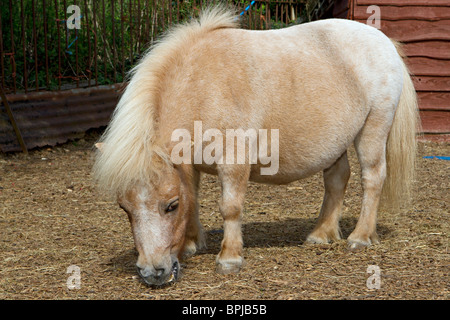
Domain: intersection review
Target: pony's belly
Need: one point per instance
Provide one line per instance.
(283, 176)
(279, 178)
(287, 173)
(209, 169)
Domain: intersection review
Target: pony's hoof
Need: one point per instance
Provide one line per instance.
(323, 237)
(359, 244)
(316, 240)
(228, 267)
(189, 249)
(193, 246)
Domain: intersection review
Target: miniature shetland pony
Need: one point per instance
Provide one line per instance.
(323, 86)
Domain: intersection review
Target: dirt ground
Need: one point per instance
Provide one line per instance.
(52, 218)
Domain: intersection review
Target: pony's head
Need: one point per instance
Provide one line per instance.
(158, 210)
(158, 224)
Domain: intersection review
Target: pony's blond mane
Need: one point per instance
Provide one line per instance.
(130, 151)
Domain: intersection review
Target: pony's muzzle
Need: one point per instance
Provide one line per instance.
(159, 276)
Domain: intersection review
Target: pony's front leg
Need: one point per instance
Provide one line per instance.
(234, 184)
(194, 238)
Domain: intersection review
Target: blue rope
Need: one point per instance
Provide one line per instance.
(70, 52)
(246, 9)
(437, 157)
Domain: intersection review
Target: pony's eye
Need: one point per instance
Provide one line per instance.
(172, 206)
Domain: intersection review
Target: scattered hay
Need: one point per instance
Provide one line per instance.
(51, 217)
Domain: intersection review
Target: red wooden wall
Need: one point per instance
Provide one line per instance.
(424, 28)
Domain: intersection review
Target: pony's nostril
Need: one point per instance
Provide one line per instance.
(158, 273)
(143, 272)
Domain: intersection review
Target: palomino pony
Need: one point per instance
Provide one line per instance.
(322, 85)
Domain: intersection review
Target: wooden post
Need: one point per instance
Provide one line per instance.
(13, 121)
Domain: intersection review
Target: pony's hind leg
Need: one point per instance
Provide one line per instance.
(234, 180)
(335, 180)
(370, 147)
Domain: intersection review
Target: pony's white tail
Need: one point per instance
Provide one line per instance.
(402, 144)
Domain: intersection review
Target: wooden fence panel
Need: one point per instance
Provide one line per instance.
(423, 26)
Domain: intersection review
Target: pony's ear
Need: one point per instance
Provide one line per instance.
(99, 146)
